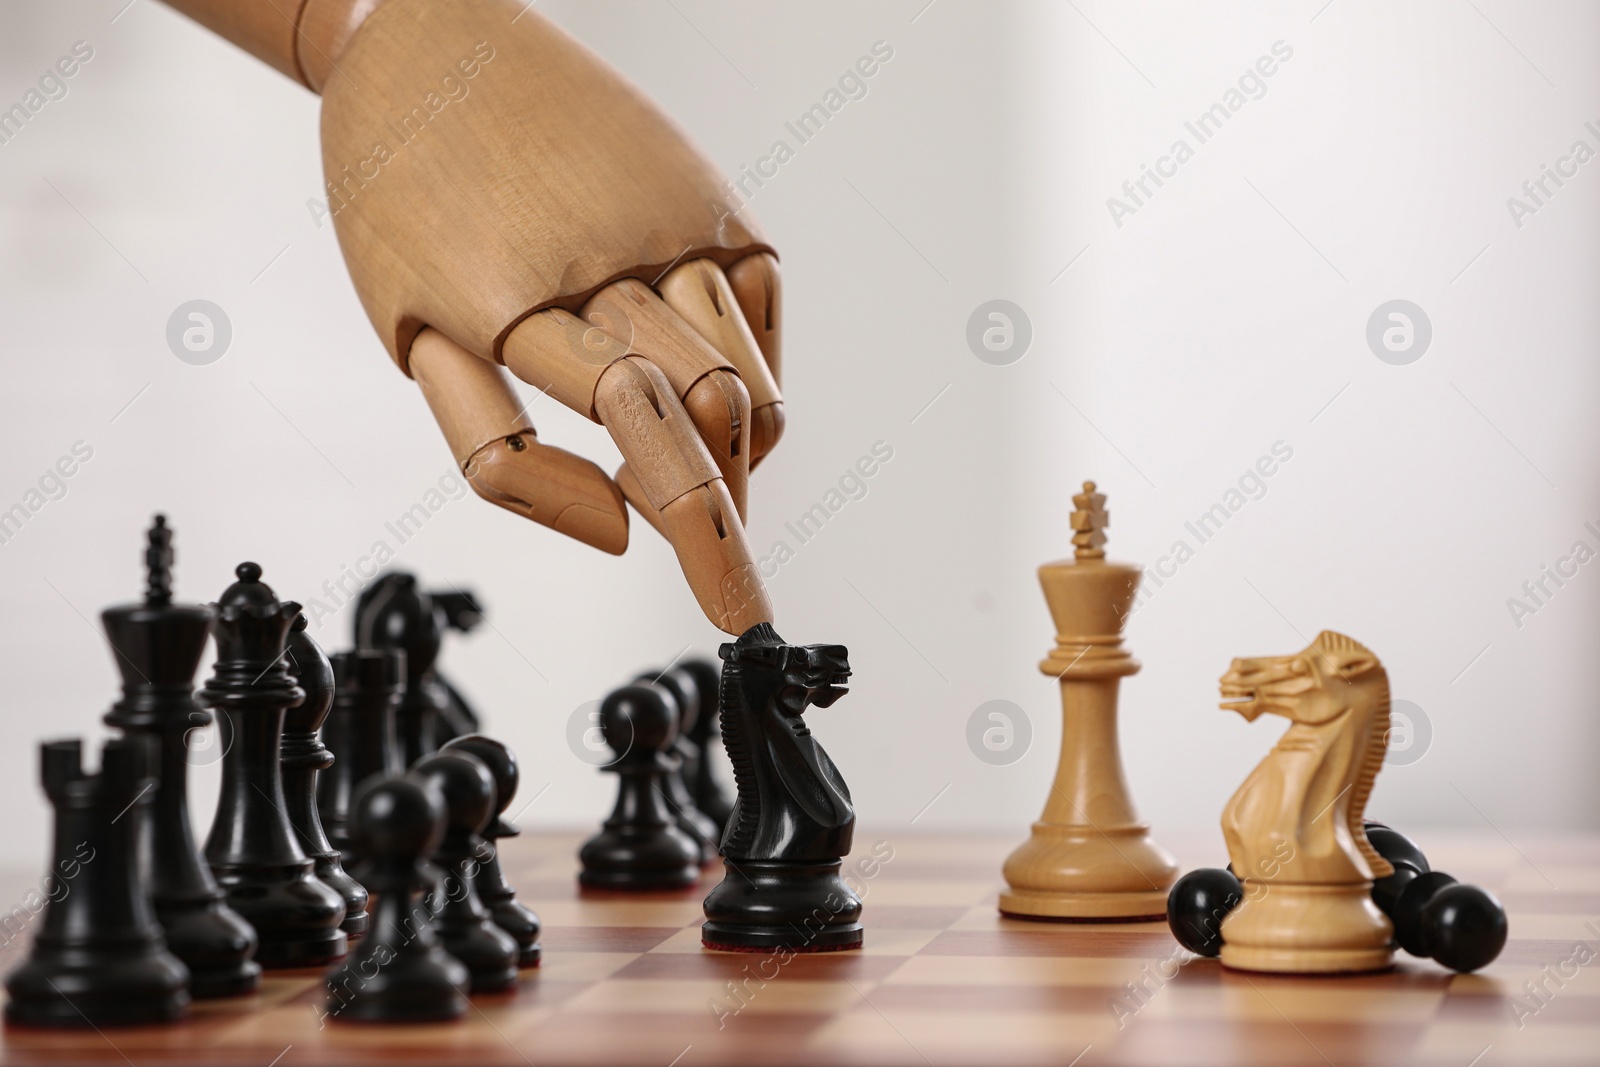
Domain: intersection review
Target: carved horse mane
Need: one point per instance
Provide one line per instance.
(1372, 759)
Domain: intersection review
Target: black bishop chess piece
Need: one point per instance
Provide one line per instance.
(640, 846)
(252, 847)
(304, 756)
(360, 732)
(793, 820)
(399, 972)
(464, 925)
(710, 796)
(493, 889)
(99, 958)
(394, 612)
(157, 645)
(684, 698)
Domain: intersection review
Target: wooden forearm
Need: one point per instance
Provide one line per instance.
(301, 38)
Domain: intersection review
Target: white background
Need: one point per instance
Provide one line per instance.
(1226, 314)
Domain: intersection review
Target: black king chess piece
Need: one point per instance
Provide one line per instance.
(304, 755)
(464, 925)
(493, 889)
(252, 848)
(640, 847)
(792, 820)
(398, 972)
(157, 646)
(99, 959)
(360, 732)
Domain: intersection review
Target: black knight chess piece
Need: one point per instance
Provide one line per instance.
(493, 889)
(158, 645)
(99, 959)
(793, 820)
(304, 756)
(680, 688)
(464, 925)
(360, 732)
(640, 847)
(252, 848)
(399, 972)
(710, 796)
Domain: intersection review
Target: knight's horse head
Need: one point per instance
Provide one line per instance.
(797, 676)
(1314, 685)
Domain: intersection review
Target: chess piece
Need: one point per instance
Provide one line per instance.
(465, 927)
(399, 972)
(793, 820)
(709, 794)
(252, 848)
(158, 645)
(1198, 903)
(1459, 926)
(1294, 828)
(360, 732)
(1089, 857)
(99, 959)
(304, 755)
(497, 895)
(461, 612)
(640, 846)
(682, 698)
(394, 613)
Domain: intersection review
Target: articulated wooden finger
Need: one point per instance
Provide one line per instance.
(715, 555)
(496, 447)
(701, 295)
(563, 355)
(757, 285)
(717, 402)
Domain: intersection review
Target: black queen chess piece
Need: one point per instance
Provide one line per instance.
(792, 820)
(360, 732)
(496, 893)
(157, 646)
(304, 757)
(99, 958)
(252, 848)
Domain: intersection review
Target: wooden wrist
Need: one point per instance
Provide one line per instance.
(300, 38)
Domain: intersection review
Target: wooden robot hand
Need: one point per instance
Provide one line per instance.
(506, 201)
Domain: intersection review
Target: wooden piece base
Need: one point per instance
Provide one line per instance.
(1081, 873)
(1307, 929)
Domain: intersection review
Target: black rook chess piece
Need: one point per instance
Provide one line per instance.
(497, 895)
(793, 820)
(640, 846)
(360, 732)
(709, 794)
(685, 701)
(252, 848)
(398, 972)
(158, 645)
(99, 959)
(304, 755)
(464, 925)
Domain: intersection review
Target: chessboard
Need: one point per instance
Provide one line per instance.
(942, 980)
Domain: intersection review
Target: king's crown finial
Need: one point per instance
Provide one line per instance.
(1089, 522)
(158, 563)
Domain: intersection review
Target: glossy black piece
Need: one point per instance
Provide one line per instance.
(394, 612)
(360, 732)
(493, 889)
(304, 756)
(98, 959)
(710, 796)
(1196, 906)
(640, 846)
(464, 925)
(1396, 847)
(252, 849)
(684, 698)
(1459, 926)
(793, 819)
(399, 972)
(157, 646)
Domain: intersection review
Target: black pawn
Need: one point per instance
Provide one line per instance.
(99, 959)
(252, 848)
(158, 645)
(1459, 926)
(497, 895)
(393, 613)
(304, 756)
(685, 702)
(1196, 906)
(464, 925)
(360, 732)
(1406, 859)
(709, 794)
(399, 972)
(640, 847)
